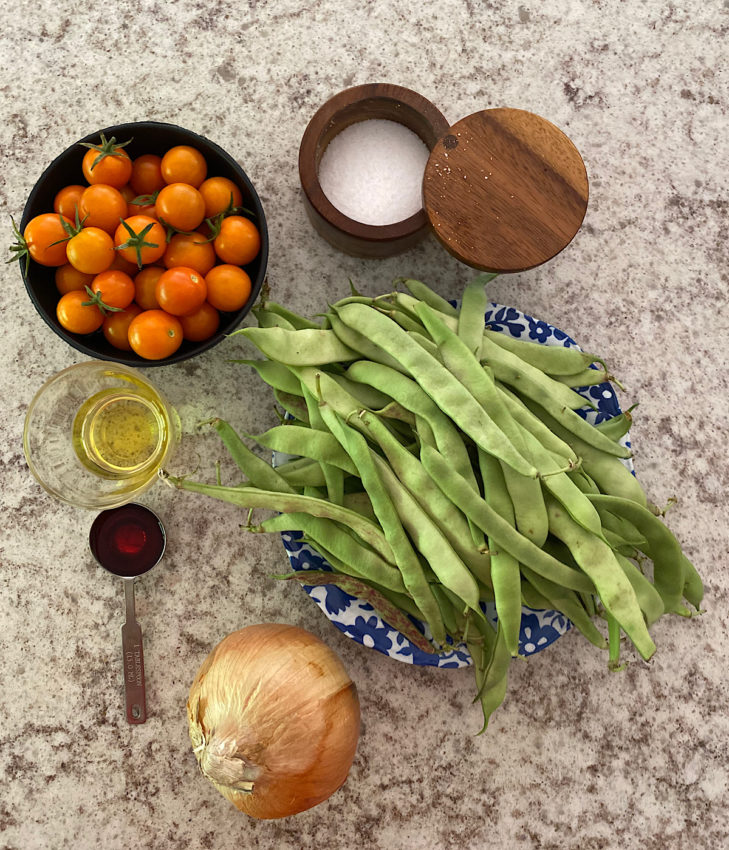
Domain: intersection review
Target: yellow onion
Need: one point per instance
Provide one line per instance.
(274, 720)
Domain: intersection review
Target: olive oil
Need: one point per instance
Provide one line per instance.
(121, 434)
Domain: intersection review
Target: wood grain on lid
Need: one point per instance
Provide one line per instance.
(505, 190)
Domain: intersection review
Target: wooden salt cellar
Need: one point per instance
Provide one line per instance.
(373, 100)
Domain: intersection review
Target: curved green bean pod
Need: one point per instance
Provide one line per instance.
(492, 689)
(426, 492)
(308, 442)
(669, 563)
(503, 533)
(253, 497)
(275, 374)
(390, 519)
(649, 599)
(617, 426)
(361, 343)
(598, 561)
(568, 424)
(258, 471)
(294, 405)
(354, 558)
(530, 381)
(586, 378)
(568, 603)
(555, 360)
(423, 292)
(411, 396)
(296, 321)
(333, 474)
(430, 540)
(302, 472)
(505, 571)
(267, 319)
(453, 398)
(307, 347)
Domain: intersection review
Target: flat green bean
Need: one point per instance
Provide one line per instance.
(471, 314)
(267, 319)
(294, 319)
(452, 397)
(505, 571)
(307, 347)
(570, 424)
(258, 471)
(598, 561)
(430, 541)
(669, 562)
(423, 292)
(568, 603)
(503, 533)
(308, 442)
(389, 518)
(426, 492)
(253, 497)
(330, 538)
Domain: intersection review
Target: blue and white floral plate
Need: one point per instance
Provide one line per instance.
(357, 618)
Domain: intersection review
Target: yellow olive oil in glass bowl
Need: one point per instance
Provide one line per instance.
(97, 433)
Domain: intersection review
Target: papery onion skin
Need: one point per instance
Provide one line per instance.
(273, 705)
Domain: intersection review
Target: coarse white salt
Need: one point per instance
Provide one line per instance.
(373, 171)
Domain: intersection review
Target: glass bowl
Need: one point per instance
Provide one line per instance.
(96, 434)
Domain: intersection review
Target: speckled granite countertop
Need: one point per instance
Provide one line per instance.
(577, 758)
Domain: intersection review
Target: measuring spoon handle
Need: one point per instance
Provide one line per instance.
(134, 673)
(133, 660)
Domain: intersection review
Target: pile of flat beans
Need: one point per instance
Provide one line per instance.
(442, 465)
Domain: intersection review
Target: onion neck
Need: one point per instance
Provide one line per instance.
(219, 760)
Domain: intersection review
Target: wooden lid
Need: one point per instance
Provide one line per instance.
(505, 190)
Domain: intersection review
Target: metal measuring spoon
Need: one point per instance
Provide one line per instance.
(127, 542)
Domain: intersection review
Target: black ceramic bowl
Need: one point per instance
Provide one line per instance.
(147, 137)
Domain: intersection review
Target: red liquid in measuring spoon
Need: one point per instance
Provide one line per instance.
(128, 540)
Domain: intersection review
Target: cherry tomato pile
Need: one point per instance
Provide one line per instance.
(149, 250)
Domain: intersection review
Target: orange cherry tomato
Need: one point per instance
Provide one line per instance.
(146, 176)
(122, 265)
(107, 163)
(181, 206)
(229, 287)
(184, 164)
(39, 237)
(154, 334)
(140, 239)
(102, 206)
(69, 279)
(114, 289)
(145, 287)
(116, 326)
(76, 315)
(192, 250)
(91, 250)
(238, 241)
(180, 290)
(219, 194)
(67, 200)
(201, 324)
